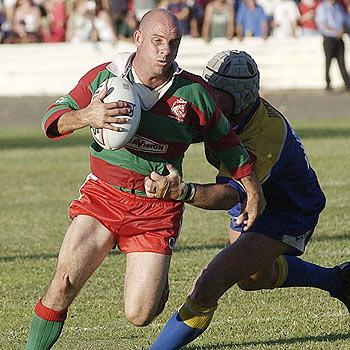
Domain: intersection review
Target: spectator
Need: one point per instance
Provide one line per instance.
(330, 18)
(118, 10)
(4, 24)
(269, 8)
(143, 6)
(80, 27)
(9, 8)
(285, 19)
(307, 9)
(57, 21)
(26, 22)
(128, 27)
(347, 17)
(251, 20)
(182, 11)
(196, 17)
(218, 20)
(103, 25)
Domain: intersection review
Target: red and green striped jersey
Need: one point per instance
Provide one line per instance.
(165, 132)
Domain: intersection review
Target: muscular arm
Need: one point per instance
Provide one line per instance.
(214, 197)
(209, 196)
(97, 115)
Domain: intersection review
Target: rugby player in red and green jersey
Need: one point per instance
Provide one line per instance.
(113, 208)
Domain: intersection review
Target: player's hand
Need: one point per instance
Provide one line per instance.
(170, 187)
(254, 204)
(101, 115)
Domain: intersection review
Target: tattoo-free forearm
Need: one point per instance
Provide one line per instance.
(214, 197)
(71, 121)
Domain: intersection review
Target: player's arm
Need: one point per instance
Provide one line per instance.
(79, 109)
(231, 153)
(219, 196)
(97, 115)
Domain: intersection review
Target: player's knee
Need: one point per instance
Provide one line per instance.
(260, 280)
(163, 300)
(248, 284)
(139, 316)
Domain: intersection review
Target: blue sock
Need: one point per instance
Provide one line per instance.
(305, 274)
(184, 326)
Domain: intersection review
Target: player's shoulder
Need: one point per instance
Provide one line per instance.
(194, 86)
(271, 111)
(194, 80)
(94, 72)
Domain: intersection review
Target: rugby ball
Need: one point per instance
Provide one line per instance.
(119, 89)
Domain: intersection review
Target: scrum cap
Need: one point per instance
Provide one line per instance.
(236, 73)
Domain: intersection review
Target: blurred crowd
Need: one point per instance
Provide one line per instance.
(50, 21)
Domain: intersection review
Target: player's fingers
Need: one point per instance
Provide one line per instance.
(116, 120)
(102, 94)
(241, 218)
(172, 170)
(117, 104)
(155, 176)
(150, 187)
(112, 127)
(120, 111)
(162, 187)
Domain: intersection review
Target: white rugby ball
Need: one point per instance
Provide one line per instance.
(119, 89)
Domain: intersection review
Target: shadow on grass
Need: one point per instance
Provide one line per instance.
(179, 249)
(11, 258)
(42, 142)
(290, 341)
(317, 133)
(84, 139)
(47, 256)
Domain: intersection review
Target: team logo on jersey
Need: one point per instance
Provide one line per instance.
(62, 100)
(139, 143)
(179, 109)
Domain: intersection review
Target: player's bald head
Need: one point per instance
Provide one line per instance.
(160, 16)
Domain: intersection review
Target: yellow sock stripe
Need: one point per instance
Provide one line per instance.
(282, 273)
(195, 316)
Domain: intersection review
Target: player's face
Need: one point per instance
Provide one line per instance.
(158, 45)
(225, 101)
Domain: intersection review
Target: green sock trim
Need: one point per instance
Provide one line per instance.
(43, 334)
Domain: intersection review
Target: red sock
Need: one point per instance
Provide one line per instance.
(48, 314)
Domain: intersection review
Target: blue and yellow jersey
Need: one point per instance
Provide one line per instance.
(291, 189)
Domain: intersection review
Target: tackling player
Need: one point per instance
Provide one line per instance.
(265, 256)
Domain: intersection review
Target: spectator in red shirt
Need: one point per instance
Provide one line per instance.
(57, 19)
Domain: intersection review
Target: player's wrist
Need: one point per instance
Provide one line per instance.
(188, 191)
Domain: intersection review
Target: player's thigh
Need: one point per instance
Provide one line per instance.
(85, 245)
(86, 242)
(145, 278)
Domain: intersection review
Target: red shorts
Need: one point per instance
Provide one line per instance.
(138, 224)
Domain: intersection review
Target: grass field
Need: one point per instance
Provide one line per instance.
(39, 178)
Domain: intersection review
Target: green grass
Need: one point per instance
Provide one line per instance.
(39, 178)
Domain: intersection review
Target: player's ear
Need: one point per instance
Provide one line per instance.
(137, 38)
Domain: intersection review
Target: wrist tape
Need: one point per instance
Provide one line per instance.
(189, 191)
